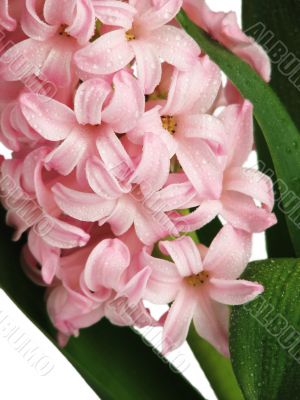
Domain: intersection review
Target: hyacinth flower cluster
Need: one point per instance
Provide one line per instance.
(119, 125)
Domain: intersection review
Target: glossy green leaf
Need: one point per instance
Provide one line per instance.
(114, 361)
(267, 22)
(279, 130)
(264, 334)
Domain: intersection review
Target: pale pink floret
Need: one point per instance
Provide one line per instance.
(125, 194)
(201, 286)
(242, 187)
(97, 282)
(147, 40)
(99, 111)
(195, 136)
(54, 35)
(224, 28)
(30, 204)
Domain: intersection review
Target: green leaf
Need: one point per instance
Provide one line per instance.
(264, 334)
(114, 361)
(267, 22)
(280, 132)
(216, 367)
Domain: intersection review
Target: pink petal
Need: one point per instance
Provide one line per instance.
(6, 21)
(120, 313)
(148, 65)
(242, 213)
(151, 122)
(206, 127)
(50, 118)
(211, 321)
(190, 86)
(69, 153)
(33, 25)
(185, 255)
(234, 292)
(106, 265)
(164, 281)
(251, 183)
(83, 24)
(47, 256)
(122, 217)
(126, 104)
(210, 85)
(102, 181)
(152, 224)
(43, 191)
(204, 214)
(89, 100)
(24, 59)
(64, 235)
(114, 155)
(159, 14)
(177, 196)
(224, 28)
(201, 167)
(83, 206)
(30, 163)
(59, 15)
(58, 67)
(153, 169)
(135, 288)
(108, 54)
(238, 122)
(229, 253)
(175, 47)
(117, 13)
(178, 320)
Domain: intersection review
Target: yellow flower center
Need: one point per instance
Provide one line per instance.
(130, 35)
(169, 123)
(197, 280)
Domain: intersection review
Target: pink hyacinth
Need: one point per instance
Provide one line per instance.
(147, 39)
(124, 139)
(200, 283)
(224, 28)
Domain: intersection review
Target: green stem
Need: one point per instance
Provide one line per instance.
(216, 367)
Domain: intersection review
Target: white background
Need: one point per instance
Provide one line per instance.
(21, 379)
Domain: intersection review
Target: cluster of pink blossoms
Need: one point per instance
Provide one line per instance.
(118, 124)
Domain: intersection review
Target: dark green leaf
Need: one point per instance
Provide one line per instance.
(264, 334)
(267, 22)
(280, 132)
(114, 361)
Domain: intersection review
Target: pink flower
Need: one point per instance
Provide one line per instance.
(190, 131)
(98, 282)
(55, 34)
(241, 186)
(201, 285)
(30, 204)
(224, 28)
(99, 111)
(124, 195)
(147, 39)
